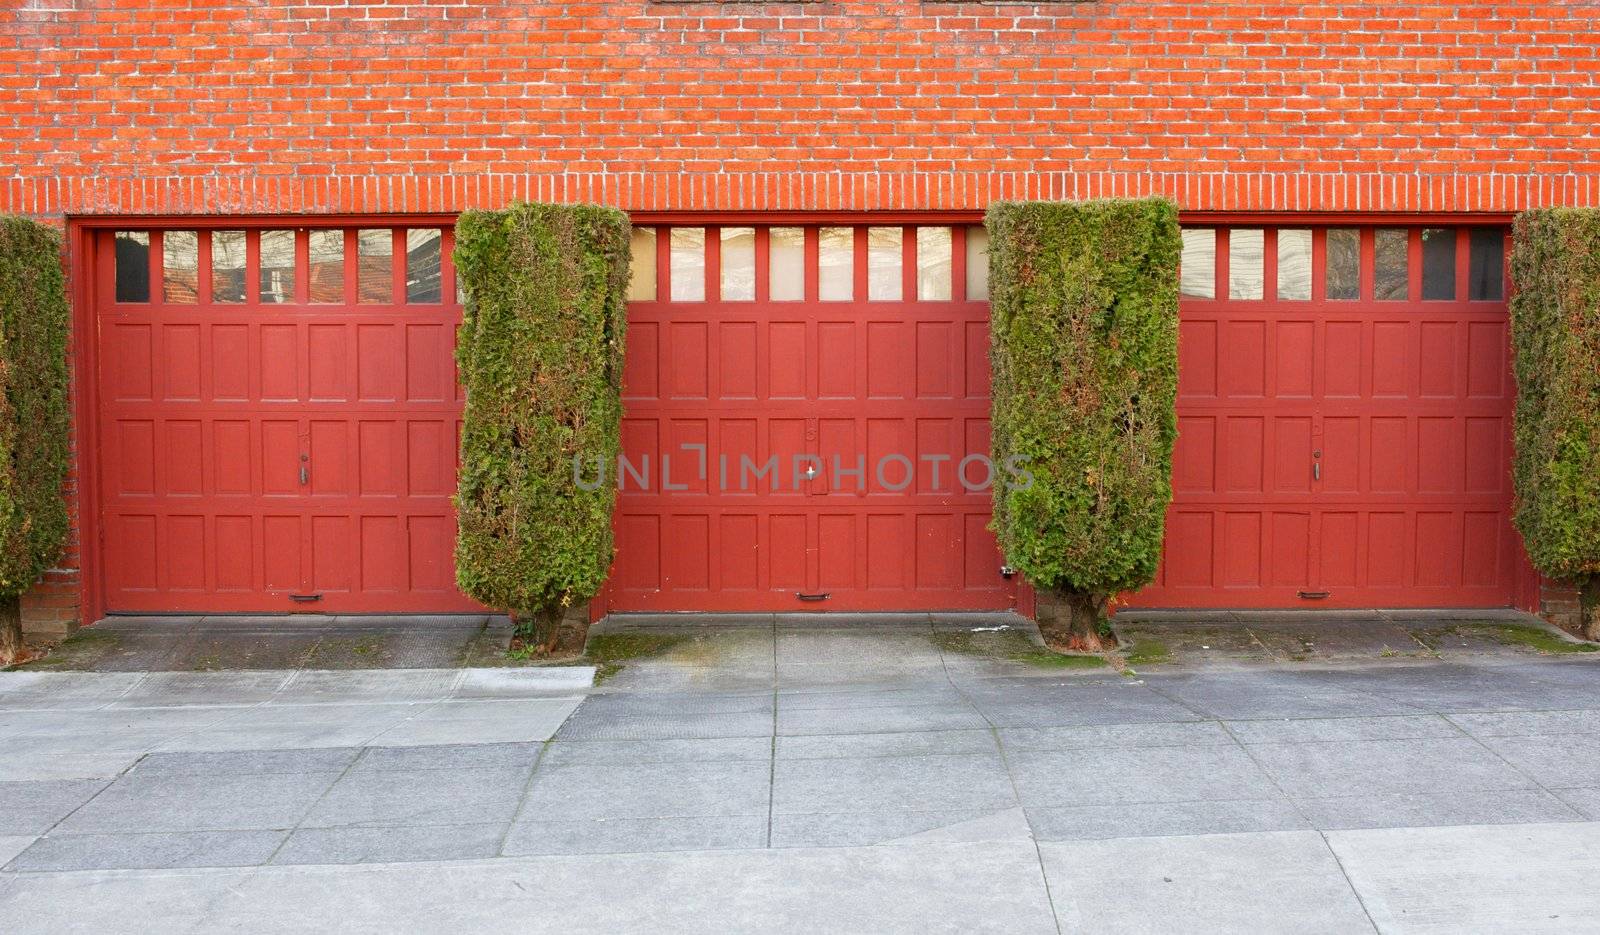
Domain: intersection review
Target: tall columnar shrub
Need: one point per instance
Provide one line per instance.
(34, 319)
(540, 353)
(1555, 334)
(1084, 348)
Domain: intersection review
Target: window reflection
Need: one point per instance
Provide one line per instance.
(686, 264)
(1246, 260)
(422, 266)
(1294, 265)
(327, 266)
(1198, 279)
(180, 267)
(642, 267)
(978, 263)
(884, 259)
(738, 264)
(227, 266)
(933, 264)
(1344, 264)
(786, 264)
(277, 266)
(375, 266)
(836, 264)
(1390, 278)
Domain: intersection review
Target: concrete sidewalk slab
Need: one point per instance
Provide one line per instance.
(1281, 881)
(1508, 878)
(952, 888)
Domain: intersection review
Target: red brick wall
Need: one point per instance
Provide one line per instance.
(178, 106)
(312, 105)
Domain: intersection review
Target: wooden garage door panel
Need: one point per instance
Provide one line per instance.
(752, 388)
(1357, 448)
(247, 357)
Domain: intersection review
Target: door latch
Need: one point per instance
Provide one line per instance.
(1316, 464)
(305, 470)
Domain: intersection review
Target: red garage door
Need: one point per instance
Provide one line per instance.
(1344, 421)
(277, 419)
(799, 404)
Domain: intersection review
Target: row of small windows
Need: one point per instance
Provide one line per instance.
(226, 256)
(1392, 252)
(1231, 263)
(932, 254)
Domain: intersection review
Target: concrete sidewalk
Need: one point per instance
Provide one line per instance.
(886, 777)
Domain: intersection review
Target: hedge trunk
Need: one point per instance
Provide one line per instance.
(33, 415)
(1555, 334)
(540, 352)
(1084, 348)
(11, 645)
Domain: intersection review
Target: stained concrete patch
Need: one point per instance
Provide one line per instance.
(391, 844)
(287, 642)
(1506, 878)
(1499, 807)
(36, 807)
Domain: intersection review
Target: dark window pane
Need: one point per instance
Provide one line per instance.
(327, 266)
(227, 266)
(1439, 263)
(1344, 263)
(1197, 278)
(180, 267)
(422, 266)
(375, 274)
(1486, 271)
(277, 266)
(1390, 278)
(133, 266)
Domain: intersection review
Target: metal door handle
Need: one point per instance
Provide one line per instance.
(811, 597)
(1316, 471)
(305, 475)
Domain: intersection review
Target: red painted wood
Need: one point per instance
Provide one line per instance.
(843, 380)
(1410, 403)
(207, 411)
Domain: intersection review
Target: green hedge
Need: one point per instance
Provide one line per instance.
(1085, 355)
(34, 420)
(540, 352)
(1555, 334)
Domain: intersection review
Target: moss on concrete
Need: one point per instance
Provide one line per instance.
(1012, 646)
(78, 651)
(1147, 652)
(1508, 634)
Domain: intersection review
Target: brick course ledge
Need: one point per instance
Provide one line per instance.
(238, 193)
